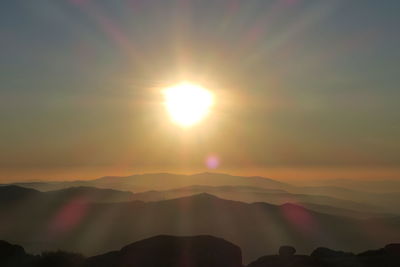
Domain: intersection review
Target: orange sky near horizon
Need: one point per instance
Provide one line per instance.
(289, 174)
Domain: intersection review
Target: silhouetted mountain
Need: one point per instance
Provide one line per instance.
(92, 228)
(323, 204)
(387, 203)
(248, 194)
(349, 211)
(171, 251)
(13, 193)
(160, 181)
(373, 185)
(93, 194)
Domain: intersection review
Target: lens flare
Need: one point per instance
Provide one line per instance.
(212, 162)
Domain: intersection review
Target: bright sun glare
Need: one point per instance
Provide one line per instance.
(187, 103)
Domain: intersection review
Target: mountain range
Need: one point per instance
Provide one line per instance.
(357, 200)
(79, 219)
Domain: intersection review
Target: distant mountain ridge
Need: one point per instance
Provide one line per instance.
(385, 202)
(274, 196)
(244, 194)
(14, 193)
(160, 181)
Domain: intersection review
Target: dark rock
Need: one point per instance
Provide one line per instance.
(286, 251)
(170, 251)
(393, 249)
(387, 257)
(8, 250)
(13, 255)
(279, 261)
(60, 259)
(332, 258)
(286, 258)
(322, 252)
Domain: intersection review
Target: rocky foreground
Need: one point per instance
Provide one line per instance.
(197, 251)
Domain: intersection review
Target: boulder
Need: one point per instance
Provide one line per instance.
(171, 251)
(286, 251)
(14, 255)
(286, 258)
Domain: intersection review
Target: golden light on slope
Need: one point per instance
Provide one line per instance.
(188, 103)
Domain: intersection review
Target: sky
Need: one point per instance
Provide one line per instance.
(302, 88)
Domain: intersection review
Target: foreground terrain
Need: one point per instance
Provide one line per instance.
(197, 251)
(94, 221)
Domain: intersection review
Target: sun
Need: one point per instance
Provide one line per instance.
(188, 103)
